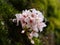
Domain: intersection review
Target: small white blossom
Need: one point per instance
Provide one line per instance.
(32, 41)
(13, 20)
(34, 34)
(23, 31)
(18, 18)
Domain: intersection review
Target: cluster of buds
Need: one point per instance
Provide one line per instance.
(32, 22)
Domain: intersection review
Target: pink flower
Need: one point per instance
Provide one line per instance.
(32, 20)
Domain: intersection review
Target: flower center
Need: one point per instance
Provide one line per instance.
(32, 15)
(31, 21)
(24, 16)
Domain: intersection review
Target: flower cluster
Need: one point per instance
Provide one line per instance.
(33, 21)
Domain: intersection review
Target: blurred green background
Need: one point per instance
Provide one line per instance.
(51, 11)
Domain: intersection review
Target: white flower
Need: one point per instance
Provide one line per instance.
(32, 41)
(41, 25)
(35, 34)
(33, 21)
(23, 31)
(26, 12)
(30, 36)
(35, 28)
(18, 16)
(13, 20)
